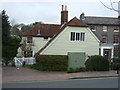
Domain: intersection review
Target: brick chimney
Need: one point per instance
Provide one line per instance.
(64, 14)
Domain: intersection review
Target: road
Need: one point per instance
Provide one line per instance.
(111, 82)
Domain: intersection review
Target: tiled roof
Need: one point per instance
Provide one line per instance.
(101, 20)
(45, 30)
(76, 22)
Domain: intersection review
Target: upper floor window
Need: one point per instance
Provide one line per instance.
(93, 28)
(105, 28)
(104, 39)
(29, 39)
(45, 38)
(39, 32)
(76, 36)
(116, 29)
(115, 39)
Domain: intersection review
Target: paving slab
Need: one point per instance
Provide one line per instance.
(10, 74)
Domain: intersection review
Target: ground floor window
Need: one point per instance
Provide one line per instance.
(116, 52)
(28, 53)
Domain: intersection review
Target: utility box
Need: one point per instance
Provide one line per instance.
(76, 60)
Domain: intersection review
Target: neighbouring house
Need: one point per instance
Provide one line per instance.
(107, 29)
(53, 39)
(36, 38)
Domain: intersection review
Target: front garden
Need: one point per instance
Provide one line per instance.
(60, 63)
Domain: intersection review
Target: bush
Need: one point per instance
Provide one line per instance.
(51, 63)
(97, 63)
(114, 64)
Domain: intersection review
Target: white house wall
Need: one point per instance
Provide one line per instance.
(62, 44)
(38, 42)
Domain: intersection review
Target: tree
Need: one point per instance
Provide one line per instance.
(10, 44)
(111, 6)
(5, 28)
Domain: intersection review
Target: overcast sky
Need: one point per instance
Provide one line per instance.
(30, 11)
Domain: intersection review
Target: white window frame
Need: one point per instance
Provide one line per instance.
(116, 30)
(105, 30)
(78, 36)
(93, 29)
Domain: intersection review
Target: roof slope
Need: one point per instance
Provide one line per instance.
(72, 22)
(76, 22)
(101, 20)
(47, 30)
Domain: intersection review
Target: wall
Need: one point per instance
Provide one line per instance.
(61, 45)
(109, 33)
(38, 43)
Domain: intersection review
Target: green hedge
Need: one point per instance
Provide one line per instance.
(114, 64)
(97, 63)
(51, 63)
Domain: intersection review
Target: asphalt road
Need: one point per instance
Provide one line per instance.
(111, 82)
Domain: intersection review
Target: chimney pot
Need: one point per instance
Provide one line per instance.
(62, 7)
(65, 8)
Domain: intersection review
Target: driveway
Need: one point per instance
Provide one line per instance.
(25, 74)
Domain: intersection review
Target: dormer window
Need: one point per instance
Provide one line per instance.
(39, 32)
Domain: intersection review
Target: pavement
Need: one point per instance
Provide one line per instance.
(11, 74)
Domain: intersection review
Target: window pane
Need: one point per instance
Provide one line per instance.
(116, 39)
(93, 28)
(72, 36)
(45, 38)
(29, 39)
(104, 39)
(116, 29)
(104, 28)
(77, 36)
(82, 36)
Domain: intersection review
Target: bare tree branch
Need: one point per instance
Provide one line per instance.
(110, 8)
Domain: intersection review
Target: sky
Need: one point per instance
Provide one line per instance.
(49, 11)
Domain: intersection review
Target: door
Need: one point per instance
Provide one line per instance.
(107, 54)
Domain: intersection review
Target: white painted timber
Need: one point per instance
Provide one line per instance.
(62, 44)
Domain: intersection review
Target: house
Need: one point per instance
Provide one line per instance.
(36, 38)
(107, 29)
(52, 39)
(75, 36)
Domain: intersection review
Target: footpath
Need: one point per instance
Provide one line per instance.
(10, 74)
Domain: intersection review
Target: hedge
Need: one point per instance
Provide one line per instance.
(51, 63)
(114, 63)
(97, 63)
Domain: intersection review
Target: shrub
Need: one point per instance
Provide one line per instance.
(97, 63)
(114, 64)
(51, 63)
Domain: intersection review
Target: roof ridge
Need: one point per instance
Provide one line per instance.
(101, 17)
(48, 24)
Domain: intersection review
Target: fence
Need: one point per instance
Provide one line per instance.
(20, 61)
